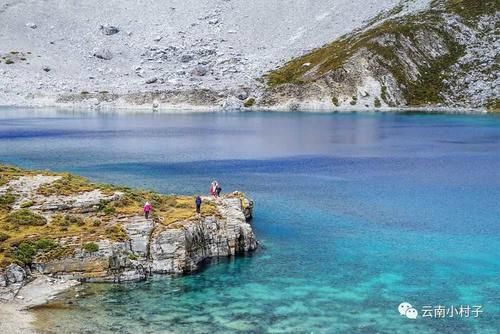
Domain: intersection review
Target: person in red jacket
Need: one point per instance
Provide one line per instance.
(147, 208)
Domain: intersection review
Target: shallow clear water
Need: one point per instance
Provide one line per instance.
(355, 213)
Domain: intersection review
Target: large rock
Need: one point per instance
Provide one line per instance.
(110, 264)
(139, 231)
(12, 279)
(109, 29)
(102, 53)
(15, 274)
(182, 250)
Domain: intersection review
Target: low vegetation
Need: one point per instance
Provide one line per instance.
(67, 185)
(470, 10)
(386, 42)
(25, 217)
(26, 251)
(249, 102)
(91, 247)
(6, 201)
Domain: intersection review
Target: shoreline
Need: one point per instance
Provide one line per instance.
(189, 108)
(16, 316)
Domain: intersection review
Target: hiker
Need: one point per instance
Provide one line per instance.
(147, 208)
(218, 189)
(213, 188)
(198, 204)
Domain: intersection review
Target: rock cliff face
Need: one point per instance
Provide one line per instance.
(446, 55)
(152, 248)
(178, 251)
(97, 234)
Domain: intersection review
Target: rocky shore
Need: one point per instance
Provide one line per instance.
(57, 230)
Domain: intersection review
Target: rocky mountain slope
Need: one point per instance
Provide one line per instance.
(207, 50)
(446, 55)
(236, 54)
(63, 226)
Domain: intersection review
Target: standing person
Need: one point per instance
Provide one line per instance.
(213, 186)
(147, 208)
(198, 204)
(218, 189)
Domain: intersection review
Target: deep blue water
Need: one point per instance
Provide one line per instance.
(356, 213)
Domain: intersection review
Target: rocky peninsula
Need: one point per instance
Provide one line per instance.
(57, 230)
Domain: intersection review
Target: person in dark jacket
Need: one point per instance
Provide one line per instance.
(218, 189)
(198, 204)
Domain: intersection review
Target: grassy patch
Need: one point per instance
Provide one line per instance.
(25, 217)
(67, 185)
(91, 247)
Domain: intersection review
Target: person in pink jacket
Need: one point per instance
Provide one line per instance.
(147, 208)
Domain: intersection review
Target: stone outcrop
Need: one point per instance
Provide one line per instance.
(153, 248)
(12, 279)
(93, 242)
(181, 251)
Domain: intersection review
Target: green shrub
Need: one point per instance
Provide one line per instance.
(335, 101)
(27, 250)
(249, 102)
(132, 257)
(26, 204)
(25, 217)
(45, 244)
(91, 247)
(25, 253)
(6, 201)
(9, 61)
(377, 103)
(74, 220)
(109, 210)
(4, 236)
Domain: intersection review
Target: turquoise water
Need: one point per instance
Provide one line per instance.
(355, 213)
